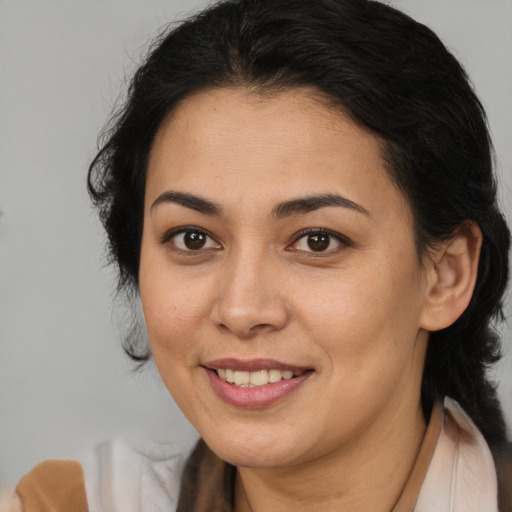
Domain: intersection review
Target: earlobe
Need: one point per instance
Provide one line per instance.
(451, 277)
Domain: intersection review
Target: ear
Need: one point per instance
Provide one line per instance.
(451, 274)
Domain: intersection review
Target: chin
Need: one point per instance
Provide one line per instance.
(254, 450)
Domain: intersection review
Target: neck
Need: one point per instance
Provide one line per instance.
(368, 475)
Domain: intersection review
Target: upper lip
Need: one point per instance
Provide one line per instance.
(252, 365)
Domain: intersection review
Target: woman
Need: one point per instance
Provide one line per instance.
(302, 194)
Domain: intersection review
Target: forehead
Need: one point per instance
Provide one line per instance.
(234, 142)
(276, 119)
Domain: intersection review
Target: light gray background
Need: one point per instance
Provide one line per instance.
(64, 382)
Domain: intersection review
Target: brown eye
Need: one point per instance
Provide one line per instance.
(193, 240)
(319, 242)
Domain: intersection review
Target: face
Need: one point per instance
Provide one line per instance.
(279, 278)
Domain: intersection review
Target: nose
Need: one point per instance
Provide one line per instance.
(249, 298)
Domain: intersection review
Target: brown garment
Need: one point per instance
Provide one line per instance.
(54, 486)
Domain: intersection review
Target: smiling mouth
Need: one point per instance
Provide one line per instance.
(255, 383)
(245, 379)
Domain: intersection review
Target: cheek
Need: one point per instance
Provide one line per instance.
(172, 312)
(346, 302)
(173, 308)
(366, 316)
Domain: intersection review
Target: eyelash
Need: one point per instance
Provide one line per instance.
(167, 239)
(342, 241)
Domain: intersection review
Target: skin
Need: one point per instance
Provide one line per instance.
(356, 313)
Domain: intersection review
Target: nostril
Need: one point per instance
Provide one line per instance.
(250, 319)
(245, 331)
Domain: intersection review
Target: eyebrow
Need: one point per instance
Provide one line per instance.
(301, 205)
(189, 201)
(308, 204)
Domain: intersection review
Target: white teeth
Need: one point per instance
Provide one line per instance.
(259, 378)
(254, 379)
(241, 378)
(274, 376)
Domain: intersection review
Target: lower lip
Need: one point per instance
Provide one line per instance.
(252, 398)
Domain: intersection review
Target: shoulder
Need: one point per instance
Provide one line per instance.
(133, 477)
(495, 465)
(56, 485)
(116, 476)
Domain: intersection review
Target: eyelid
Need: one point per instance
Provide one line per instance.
(344, 242)
(168, 235)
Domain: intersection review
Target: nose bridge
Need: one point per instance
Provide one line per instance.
(248, 298)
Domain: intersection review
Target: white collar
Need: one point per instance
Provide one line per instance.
(461, 476)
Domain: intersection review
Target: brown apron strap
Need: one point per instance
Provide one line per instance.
(53, 486)
(207, 483)
(504, 469)
(410, 493)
